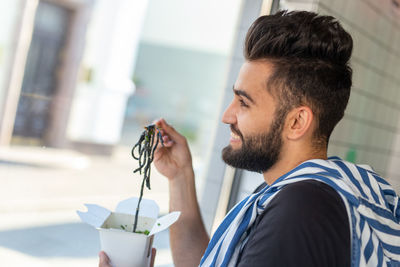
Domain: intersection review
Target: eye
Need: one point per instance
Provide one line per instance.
(242, 103)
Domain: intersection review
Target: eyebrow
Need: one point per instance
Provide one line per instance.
(242, 93)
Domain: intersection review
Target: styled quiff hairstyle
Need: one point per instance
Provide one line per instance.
(310, 56)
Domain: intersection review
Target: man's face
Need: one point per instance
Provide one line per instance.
(256, 134)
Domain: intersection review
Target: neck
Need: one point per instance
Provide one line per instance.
(288, 163)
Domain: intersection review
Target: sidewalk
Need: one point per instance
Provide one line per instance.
(40, 191)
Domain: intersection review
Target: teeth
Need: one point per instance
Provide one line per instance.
(234, 136)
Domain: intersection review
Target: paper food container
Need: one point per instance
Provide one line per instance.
(123, 247)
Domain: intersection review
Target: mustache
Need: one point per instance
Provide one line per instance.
(236, 131)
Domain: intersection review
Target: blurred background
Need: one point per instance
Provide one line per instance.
(79, 79)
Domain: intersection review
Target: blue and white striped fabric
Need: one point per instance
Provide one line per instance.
(372, 207)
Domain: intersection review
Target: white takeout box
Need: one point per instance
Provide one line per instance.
(125, 248)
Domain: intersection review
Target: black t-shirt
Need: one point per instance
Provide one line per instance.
(305, 224)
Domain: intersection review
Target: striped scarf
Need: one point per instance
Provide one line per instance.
(371, 203)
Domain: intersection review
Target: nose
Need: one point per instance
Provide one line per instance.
(229, 116)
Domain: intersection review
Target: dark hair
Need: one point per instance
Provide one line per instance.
(310, 55)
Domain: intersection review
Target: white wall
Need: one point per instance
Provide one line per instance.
(99, 103)
(8, 20)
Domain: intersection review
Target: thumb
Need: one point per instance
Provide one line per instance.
(104, 260)
(153, 257)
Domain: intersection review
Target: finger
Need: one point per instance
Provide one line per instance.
(104, 260)
(166, 143)
(160, 123)
(169, 130)
(158, 127)
(153, 257)
(167, 139)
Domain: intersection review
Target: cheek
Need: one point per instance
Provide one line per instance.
(253, 124)
(245, 124)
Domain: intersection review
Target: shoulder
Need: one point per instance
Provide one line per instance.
(305, 194)
(307, 190)
(299, 199)
(307, 203)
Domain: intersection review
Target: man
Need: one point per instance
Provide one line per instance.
(291, 92)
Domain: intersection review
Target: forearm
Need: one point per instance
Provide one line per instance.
(188, 235)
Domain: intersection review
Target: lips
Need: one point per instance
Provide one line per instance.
(235, 135)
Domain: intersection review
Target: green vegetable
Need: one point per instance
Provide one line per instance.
(146, 232)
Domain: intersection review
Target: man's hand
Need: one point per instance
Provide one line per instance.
(188, 236)
(174, 158)
(104, 261)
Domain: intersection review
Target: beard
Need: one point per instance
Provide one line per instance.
(258, 153)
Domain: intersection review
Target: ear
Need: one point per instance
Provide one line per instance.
(299, 122)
